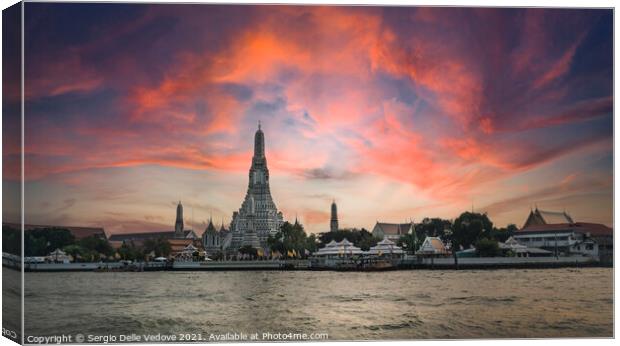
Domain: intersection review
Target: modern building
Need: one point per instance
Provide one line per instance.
(258, 216)
(333, 222)
(391, 231)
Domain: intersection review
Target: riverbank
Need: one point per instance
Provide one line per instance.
(407, 264)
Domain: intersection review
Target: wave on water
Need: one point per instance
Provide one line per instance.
(411, 304)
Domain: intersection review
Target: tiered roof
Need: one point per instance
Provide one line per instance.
(393, 228)
(385, 246)
(344, 247)
(432, 246)
(542, 217)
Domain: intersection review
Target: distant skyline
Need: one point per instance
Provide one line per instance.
(396, 113)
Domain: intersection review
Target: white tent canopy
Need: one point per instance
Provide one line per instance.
(58, 252)
(432, 246)
(343, 248)
(385, 247)
(59, 256)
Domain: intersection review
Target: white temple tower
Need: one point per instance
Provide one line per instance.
(258, 216)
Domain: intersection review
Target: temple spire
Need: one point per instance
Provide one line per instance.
(259, 143)
(178, 224)
(333, 223)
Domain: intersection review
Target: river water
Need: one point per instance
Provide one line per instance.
(412, 304)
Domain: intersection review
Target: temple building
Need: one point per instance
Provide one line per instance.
(540, 217)
(179, 233)
(559, 233)
(258, 216)
(211, 239)
(392, 231)
(333, 222)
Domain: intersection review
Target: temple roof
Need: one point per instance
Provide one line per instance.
(210, 227)
(393, 228)
(595, 229)
(145, 235)
(542, 217)
(551, 217)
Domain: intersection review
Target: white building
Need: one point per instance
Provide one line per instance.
(336, 253)
(566, 239)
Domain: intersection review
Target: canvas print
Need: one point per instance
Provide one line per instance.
(273, 173)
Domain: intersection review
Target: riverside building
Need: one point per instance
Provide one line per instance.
(179, 233)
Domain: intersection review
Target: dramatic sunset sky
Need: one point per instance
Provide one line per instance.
(396, 113)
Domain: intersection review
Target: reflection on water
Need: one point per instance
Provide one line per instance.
(351, 306)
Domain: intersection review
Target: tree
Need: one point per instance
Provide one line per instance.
(410, 242)
(291, 237)
(502, 234)
(77, 252)
(96, 245)
(432, 227)
(11, 240)
(160, 246)
(359, 237)
(42, 241)
(486, 247)
(469, 228)
(249, 250)
(311, 243)
(129, 251)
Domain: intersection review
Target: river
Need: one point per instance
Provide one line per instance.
(415, 304)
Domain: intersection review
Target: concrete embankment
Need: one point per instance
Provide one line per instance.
(498, 262)
(159, 266)
(407, 264)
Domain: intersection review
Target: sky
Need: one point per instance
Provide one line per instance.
(396, 113)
